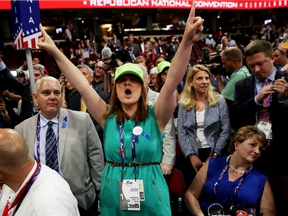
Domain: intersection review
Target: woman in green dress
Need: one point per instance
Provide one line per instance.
(132, 182)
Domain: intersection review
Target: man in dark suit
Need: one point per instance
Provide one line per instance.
(142, 43)
(75, 101)
(119, 30)
(171, 48)
(115, 43)
(8, 81)
(71, 54)
(134, 47)
(261, 99)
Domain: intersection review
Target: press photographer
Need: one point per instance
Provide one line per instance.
(104, 69)
(214, 64)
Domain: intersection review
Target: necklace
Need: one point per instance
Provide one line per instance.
(235, 170)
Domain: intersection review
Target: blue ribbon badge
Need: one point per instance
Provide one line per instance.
(139, 131)
(64, 122)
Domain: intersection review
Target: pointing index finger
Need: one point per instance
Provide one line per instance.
(192, 11)
(42, 29)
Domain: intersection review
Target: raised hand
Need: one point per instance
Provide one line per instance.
(196, 162)
(281, 86)
(264, 93)
(46, 42)
(193, 25)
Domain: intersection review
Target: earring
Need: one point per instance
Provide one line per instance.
(235, 149)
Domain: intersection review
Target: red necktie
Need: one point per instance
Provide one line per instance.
(114, 44)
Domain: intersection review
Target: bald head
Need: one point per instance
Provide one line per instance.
(13, 149)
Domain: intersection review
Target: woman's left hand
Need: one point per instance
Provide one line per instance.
(46, 42)
(193, 25)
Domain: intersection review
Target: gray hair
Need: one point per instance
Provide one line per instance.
(85, 66)
(154, 70)
(39, 67)
(144, 69)
(48, 78)
(141, 57)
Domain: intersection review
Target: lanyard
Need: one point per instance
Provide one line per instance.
(23, 192)
(122, 149)
(239, 184)
(99, 84)
(38, 140)
(238, 69)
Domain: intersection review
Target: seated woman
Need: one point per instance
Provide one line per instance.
(233, 179)
(203, 121)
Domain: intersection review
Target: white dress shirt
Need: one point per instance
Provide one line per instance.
(49, 195)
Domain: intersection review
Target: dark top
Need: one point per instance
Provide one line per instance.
(74, 103)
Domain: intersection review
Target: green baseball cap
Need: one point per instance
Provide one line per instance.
(129, 68)
(162, 65)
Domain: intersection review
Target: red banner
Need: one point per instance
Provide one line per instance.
(175, 4)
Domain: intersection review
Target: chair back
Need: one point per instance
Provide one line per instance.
(176, 182)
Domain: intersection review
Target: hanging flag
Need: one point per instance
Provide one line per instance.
(26, 20)
(283, 45)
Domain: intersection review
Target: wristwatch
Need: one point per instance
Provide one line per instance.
(215, 154)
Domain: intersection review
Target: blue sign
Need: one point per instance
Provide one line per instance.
(26, 19)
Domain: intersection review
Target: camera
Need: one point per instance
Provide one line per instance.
(91, 64)
(112, 61)
(214, 65)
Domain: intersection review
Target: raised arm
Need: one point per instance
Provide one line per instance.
(165, 104)
(76, 78)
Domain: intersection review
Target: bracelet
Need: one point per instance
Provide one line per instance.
(215, 154)
(4, 115)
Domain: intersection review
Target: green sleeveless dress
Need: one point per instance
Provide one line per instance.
(157, 201)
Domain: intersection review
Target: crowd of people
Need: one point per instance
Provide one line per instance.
(107, 129)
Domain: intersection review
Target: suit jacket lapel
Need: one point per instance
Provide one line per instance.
(190, 120)
(32, 128)
(63, 131)
(211, 115)
(250, 82)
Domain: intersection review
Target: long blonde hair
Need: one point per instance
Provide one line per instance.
(189, 99)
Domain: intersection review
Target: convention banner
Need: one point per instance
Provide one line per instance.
(171, 4)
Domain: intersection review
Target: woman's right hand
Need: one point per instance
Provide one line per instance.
(196, 162)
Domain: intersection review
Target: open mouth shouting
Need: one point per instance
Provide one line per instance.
(128, 92)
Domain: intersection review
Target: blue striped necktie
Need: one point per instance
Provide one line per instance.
(51, 148)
